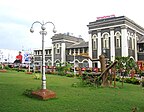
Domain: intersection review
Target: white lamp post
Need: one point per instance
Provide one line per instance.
(43, 33)
(74, 65)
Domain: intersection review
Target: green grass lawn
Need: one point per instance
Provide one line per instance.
(69, 99)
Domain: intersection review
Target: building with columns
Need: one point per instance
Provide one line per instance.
(114, 36)
(65, 48)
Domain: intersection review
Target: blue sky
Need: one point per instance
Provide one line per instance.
(16, 17)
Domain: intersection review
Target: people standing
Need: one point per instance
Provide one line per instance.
(19, 60)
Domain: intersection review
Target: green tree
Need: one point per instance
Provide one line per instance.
(126, 63)
(63, 68)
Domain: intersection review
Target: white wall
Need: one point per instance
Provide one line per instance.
(7, 55)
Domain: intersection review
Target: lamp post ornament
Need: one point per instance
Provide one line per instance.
(43, 33)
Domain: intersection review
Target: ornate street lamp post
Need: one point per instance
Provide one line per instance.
(43, 93)
(74, 64)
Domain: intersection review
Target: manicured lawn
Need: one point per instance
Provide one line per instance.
(69, 99)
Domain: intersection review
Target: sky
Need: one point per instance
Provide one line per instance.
(73, 16)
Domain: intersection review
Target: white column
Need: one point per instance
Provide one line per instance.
(124, 41)
(78, 51)
(52, 55)
(99, 47)
(74, 52)
(83, 50)
(90, 50)
(63, 52)
(70, 52)
(112, 45)
(135, 47)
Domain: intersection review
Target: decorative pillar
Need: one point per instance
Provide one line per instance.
(99, 52)
(78, 51)
(112, 45)
(90, 50)
(74, 51)
(83, 50)
(52, 55)
(124, 41)
(63, 52)
(70, 52)
(135, 47)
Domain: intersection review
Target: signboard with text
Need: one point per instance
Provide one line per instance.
(104, 17)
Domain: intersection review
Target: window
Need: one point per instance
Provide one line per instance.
(57, 63)
(35, 52)
(85, 64)
(50, 51)
(94, 42)
(40, 52)
(57, 48)
(81, 50)
(76, 51)
(49, 63)
(117, 39)
(46, 52)
(133, 43)
(106, 41)
(130, 42)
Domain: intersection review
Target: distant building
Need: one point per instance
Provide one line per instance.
(8, 56)
(64, 48)
(113, 36)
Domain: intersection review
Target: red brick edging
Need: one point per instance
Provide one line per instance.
(44, 94)
(28, 72)
(3, 70)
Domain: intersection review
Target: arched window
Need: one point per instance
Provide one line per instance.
(76, 63)
(49, 63)
(117, 40)
(57, 46)
(85, 64)
(105, 37)
(94, 42)
(57, 62)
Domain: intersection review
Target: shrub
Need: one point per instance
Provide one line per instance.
(70, 75)
(28, 93)
(128, 80)
(37, 76)
(21, 70)
(142, 82)
(6, 67)
(14, 69)
(135, 81)
(90, 79)
(117, 78)
(37, 71)
(62, 73)
(132, 80)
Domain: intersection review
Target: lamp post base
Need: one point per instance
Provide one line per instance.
(3, 70)
(44, 94)
(28, 72)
